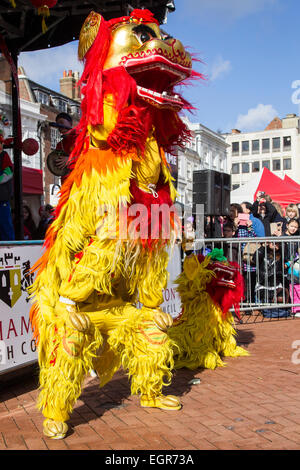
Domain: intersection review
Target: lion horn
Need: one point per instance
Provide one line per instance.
(88, 33)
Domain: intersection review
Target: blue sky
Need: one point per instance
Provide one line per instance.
(250, 53)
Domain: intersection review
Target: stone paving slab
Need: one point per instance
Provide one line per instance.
(251, 404)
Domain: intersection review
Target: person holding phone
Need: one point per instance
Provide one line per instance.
(257, 224)
(264, 211)
(242, 222)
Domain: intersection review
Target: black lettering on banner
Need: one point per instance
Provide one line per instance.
(33, 345)
(22, 347)
(10, 352)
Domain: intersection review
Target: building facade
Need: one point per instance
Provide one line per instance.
(52, 103)
(207, 150)
(277, 147)
(39, 106)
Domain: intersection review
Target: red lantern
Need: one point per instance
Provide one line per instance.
(30, 146)
(43, 9)
(41, 3)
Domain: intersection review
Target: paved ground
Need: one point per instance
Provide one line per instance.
(252, 403)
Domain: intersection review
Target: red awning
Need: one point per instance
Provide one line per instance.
(32, 180)
(281, 191)
(291, 182)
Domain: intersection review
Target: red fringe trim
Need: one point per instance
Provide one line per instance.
(157, 229)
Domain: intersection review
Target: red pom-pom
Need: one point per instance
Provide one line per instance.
(146, 16)
(30, 146)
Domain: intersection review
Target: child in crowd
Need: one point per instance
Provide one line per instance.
(231, 250)
(271, 284)
(291, 213)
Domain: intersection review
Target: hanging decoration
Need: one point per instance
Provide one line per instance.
(3, 119)
(43, 7)
(30, 146)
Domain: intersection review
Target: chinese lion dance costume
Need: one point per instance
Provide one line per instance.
(94, 268)
(204, 332)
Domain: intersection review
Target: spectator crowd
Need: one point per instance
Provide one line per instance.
(270, 268)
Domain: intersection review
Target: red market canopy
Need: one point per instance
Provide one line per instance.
(280, 190)
(32, 181)
(284, 191)
(289, 180)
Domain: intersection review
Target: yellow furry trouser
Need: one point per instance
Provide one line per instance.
(120, 336)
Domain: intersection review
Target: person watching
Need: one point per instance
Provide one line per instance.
(66, 144)
(257, 225)
(264, 211)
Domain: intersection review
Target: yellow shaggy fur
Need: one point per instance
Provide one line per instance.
(203, 335)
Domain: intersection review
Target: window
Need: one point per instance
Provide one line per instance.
(41, 97)
(286, 143)
(75, 110)
(276, 144)
(266, 164)
(287, 163)
(245, 168)
(255, 146)
(60, 104)
(54, 137)
(206, 156)
(255, 167)
(235, 148)
(179, 166)
(265, 145)
(235, 169)
(245, 146)
(276, 165)
(215, 160)
(189, 171)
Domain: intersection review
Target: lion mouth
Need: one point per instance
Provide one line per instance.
(156, 76)
(160, 99)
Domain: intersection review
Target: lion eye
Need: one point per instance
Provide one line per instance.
(145, 37)
(144, 33)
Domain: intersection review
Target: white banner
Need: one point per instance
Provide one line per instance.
(17, 347)
(172, 302)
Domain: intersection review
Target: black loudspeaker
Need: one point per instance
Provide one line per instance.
(212, 189)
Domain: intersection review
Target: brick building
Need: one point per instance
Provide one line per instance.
(45, 105)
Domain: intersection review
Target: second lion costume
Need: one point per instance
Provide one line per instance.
(204, 333)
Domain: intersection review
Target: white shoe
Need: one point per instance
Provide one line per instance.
(297, 315)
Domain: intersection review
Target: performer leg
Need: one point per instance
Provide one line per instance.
(65, 358)
(146, 352)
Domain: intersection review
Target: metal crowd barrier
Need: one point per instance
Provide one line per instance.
(270, 268)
